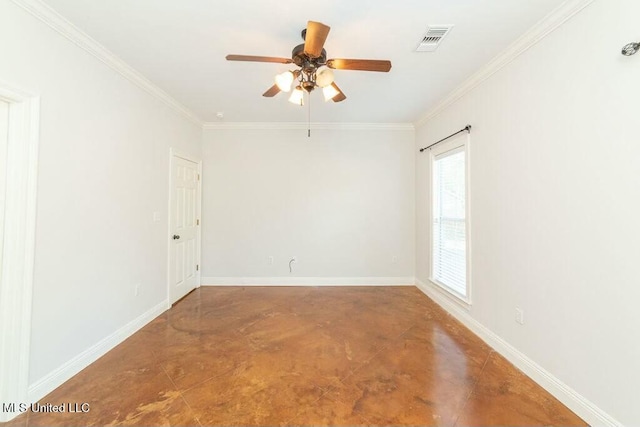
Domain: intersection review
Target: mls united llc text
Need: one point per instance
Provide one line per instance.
(46, 407)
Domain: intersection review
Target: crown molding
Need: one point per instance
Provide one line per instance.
(58, 23)
(548, 24)
(305, 126)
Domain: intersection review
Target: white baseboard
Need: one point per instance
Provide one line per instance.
(561, 391)
(307, 281)
(58, 376)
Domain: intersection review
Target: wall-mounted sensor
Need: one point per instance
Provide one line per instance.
(630, 49)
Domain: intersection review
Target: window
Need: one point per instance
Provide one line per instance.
(449, 227)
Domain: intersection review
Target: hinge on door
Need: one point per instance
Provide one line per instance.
(198, 177)
(197, 267)
(197, 222)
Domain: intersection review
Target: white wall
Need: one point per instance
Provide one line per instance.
(4, 128)
(555, 202)
(341, 201)
(103, 171)
(554, 199)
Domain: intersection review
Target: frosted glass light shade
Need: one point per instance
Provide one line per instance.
(297, 96)
(329, 92)
(324, 77)
(284, 80)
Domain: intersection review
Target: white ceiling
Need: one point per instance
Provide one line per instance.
(180, 45)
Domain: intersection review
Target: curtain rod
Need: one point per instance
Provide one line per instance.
(467, 128)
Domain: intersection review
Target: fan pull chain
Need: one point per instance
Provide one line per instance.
(309, 117)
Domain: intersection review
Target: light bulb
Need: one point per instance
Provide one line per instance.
(329, 92)
(324, 77)
(284, 80)
(297, 96)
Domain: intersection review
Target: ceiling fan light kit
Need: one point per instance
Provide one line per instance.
(297, 96)
(324, 77)
(314, 69)
(329, 92)
(284, 81)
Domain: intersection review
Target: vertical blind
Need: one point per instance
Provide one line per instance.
(449, 222)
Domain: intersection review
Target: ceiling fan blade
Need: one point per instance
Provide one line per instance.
(272, 91)
(251, 58)
(315, 37)
(360, 64)
(340, 96)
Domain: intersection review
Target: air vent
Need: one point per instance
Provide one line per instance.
(433, 37)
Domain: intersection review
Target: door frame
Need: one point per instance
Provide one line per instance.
(173, 154)
(16, 278)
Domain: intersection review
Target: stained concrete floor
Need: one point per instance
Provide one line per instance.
(273, 356)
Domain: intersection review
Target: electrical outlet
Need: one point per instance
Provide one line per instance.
(519, 315)
(271, 260)
(136, 289)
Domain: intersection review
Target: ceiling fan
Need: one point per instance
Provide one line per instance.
(314, 69)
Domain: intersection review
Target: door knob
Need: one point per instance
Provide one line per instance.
(176, 237)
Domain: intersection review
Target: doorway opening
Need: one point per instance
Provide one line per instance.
(18, 183)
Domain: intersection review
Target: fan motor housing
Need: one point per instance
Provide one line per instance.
(303, 61)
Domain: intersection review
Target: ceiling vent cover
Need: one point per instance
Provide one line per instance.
(433, 37)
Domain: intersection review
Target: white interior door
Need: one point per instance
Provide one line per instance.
(184, 224)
